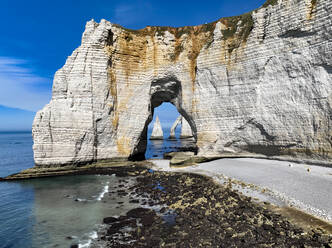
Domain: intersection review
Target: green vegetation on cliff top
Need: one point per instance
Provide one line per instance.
(246, 22)
(236, 30)
(269, 2)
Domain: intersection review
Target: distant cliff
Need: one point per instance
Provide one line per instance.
(256, 83)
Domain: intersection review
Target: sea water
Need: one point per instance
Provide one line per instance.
(57, 211)
(156, 148)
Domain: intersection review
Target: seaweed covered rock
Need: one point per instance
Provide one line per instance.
(188, 210)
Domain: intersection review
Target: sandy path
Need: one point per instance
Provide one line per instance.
(293, 185)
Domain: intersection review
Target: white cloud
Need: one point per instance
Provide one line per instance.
(20, 86)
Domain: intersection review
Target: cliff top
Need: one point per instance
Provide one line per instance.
(231, 24)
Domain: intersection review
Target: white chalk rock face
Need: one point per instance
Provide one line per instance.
(185, 130)
(259, 83)
(157, 131)
(174, 126)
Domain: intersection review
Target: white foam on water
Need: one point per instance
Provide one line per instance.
(105, 190)
(80, 199)
(93, 235)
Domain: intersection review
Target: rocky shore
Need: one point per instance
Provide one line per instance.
(182, 209)
(190, 210)
(106, 167)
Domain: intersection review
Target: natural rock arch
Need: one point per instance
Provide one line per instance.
(167, 89)
(254, 84)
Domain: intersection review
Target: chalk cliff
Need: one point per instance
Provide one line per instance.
(157, 131)
(185, 130)
(256, 83)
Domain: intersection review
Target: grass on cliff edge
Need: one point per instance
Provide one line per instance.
(246, 22)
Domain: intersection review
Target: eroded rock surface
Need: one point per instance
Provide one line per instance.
(185, 129)
(257, 83)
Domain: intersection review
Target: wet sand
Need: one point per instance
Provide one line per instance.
(306, 187)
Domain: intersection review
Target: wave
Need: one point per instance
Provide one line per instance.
(93, 235)
(80, 200)
(105, 190)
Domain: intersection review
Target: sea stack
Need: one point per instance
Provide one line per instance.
(157, 131)
(185, 130)
(175, 124)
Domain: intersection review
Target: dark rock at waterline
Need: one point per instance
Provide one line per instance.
(146, 215)
(134, 201)
(74, 246)
(109, 220)
(116, 226)
(168, 155)
(197, 212)
(122, 193)
(163, 210)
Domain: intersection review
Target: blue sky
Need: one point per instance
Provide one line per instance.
(37, 36)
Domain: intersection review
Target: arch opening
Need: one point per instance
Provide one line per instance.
(169, 91)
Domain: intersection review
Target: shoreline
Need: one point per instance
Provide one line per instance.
(278, 182)
(169, 189)
(187, 209)
(208, 167)
(71, 170)
(39, 171)
(196, 164)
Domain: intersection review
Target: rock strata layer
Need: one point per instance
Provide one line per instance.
(256, 83)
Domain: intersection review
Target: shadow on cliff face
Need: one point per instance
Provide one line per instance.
(165, 90)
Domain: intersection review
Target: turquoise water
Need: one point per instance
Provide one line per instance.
(57, 212)
(54, 212)
(46, 212)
